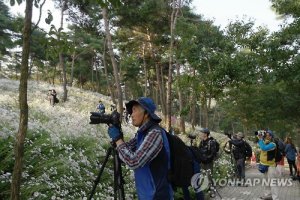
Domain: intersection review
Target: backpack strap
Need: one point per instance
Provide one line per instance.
(212, 143)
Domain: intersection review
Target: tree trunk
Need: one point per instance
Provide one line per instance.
(146, 72)
(176, 4)
(113, 61)
(205, 111)
(164, 102)
(109, 86)
(61, 57)
(30, 66)
(72, 69)
(23, 123)
(92, 68)
(181, 119)
(160, 88)
(193, 110)
(97, 75)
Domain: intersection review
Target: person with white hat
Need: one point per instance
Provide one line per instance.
(267, 164)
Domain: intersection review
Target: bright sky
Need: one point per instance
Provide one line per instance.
(20, 9)
(223, 11)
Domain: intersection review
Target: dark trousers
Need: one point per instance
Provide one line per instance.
(240, 168)
(291, 165)
(185, 190)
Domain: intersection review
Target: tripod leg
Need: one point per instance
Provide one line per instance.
(109, 151)
(118, 178)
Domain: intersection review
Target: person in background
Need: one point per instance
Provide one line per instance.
(208, 150)
(113, 107)
(280, 166)
(253, 160)
(267, 164)
(52, 97)
(238, 151)
(280, 147)
(101, 107)
(290, 152)
(298, 165)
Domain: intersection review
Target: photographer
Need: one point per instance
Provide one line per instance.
(238, 151)
(267, 164)
(207, 148)
(147, 153)
(101, 107)
(52, 97)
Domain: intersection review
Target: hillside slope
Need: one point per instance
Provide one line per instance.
(62, 144)
(69, 118)
(63, 152)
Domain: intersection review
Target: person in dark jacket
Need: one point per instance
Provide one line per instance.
(148, 153)
(290, 153)
(238, 152)
(208, 150)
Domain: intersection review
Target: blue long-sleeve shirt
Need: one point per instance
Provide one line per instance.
(267, 154)
(266, 147)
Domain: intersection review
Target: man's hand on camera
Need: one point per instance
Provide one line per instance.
(260, 136)
(114, 133)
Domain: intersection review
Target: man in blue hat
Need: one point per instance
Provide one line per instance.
(148, 153)
(267, 164)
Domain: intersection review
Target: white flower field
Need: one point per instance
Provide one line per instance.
(63, 152)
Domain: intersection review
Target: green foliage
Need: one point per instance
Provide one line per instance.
(287, 7)
(64, 169)
(253, 75)
(5, 26)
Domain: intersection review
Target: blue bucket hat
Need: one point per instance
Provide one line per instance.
(270, 133)
(146, 103)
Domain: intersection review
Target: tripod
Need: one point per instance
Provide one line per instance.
(118, 179)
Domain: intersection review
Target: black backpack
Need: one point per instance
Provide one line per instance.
(279, 150)
(248, 149)
(56, 99)
(217, 152)
(182, 160)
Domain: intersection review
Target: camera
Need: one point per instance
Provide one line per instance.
(192, 136)
(113, 118)
(260, 133)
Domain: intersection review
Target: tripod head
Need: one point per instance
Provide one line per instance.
(192, 138)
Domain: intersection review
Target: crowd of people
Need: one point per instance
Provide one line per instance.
(148, 154)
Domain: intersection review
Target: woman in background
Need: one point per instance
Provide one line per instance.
(290, 152)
